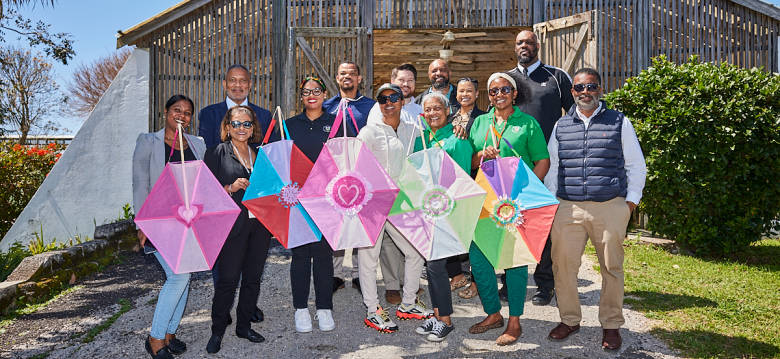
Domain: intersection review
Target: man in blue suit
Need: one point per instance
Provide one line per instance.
(237, 84)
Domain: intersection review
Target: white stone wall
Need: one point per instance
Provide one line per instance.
(93, 179)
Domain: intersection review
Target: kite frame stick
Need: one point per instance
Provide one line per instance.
(180, 130)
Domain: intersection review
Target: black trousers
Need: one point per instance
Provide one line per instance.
(439, 286)
(455, 265)
(243, 255)
(301, 272)
(543, 275)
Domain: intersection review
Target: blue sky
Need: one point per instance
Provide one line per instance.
(94, 24)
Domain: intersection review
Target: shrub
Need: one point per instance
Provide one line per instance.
(22, 170)
(11, 258)
(711, 139)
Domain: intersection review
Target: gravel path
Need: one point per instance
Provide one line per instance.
(58, 329)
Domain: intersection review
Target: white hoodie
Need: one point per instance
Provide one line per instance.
(390, 147)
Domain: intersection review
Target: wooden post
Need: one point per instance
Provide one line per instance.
(368, 48)
(279, 31)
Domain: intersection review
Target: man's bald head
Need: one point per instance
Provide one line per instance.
(526, 47)
(439, 74)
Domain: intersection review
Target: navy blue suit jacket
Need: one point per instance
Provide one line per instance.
(211, 116)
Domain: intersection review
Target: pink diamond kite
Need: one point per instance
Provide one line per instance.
(187, 216)
(348, 194)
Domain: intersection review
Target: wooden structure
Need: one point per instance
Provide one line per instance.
(280, 41)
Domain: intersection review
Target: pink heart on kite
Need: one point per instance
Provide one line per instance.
(352, 192)
(187, 216)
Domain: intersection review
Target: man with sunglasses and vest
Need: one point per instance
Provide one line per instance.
(348, 79)
(237, 84)
(597, 171)
(550, 98)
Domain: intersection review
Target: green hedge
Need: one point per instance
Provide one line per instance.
(711, 138)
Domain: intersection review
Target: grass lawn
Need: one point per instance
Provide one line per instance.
(708, 307)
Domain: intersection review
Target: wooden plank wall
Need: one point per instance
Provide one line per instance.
(491, 53)
(331, 51)
(633, 31)
(189, 56)
(715, 30)
(432, 14)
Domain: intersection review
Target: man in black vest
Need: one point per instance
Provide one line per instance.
(550, 98)
(597, 171)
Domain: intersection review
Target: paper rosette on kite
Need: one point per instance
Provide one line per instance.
(517, 215)
(438, 205)
(187, 216)
(348, 193)
(280, 172)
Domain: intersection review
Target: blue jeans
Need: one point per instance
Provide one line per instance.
(170, 302)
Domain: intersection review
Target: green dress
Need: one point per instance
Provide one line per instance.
(458, 149)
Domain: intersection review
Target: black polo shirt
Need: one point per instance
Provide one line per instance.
(550, 94)
(310, 135)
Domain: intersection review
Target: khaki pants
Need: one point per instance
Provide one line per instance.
(605, 224)
(369, 256)
(339, 269)
(391, 261)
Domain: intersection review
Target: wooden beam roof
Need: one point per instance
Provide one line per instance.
(761, 7)
(131, 35)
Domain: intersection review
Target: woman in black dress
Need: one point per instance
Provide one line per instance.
(246, 248)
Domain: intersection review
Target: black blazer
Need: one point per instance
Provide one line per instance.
(227, 169)
(474, 113)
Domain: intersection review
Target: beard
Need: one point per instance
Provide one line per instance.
(527, 59)
(587, 106)
(347, 87)
(440, 83)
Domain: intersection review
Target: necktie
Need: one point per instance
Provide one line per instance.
(525, 72)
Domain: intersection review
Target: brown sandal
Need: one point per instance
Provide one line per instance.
(459, 284)
(478, 329)
(468, 293)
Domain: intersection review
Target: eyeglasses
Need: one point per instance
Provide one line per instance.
(506, 90)
(237, 124)
(317, 91)
(393, 98)
(590, 87)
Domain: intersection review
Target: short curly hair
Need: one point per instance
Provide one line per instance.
(224, 128)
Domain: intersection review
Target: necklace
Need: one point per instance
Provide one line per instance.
(247, 166)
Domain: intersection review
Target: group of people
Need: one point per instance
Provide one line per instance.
(589, 159)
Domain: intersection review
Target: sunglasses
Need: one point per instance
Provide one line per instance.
(237, 124)
(591, 87)
(506, 90)
(393, 98)
(317, 91)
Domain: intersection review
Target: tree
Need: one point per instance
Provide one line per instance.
(57, 45)
(90, 81)
(29, 94)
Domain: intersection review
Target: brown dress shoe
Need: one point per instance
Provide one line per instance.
(611, 340)
(393, 296)
(562, 332)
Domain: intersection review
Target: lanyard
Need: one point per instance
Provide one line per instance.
(496, 141)
(248, 168)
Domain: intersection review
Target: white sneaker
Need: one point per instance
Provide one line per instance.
(303, 321)
(325, 319)
(427, 326)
